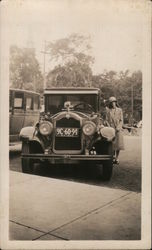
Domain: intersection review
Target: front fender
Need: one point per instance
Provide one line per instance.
(103, 147)
(27, 133)
(108, 133)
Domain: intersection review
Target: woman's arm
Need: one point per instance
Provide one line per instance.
(119, 126)
(107, 118)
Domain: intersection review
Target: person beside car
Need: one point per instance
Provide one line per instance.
(114, 119)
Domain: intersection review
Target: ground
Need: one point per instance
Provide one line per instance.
(72, 203)
(126, 175)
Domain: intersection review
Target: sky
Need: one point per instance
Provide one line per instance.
(115, 28)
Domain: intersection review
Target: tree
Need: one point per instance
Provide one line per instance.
(72, 60)
(24, 69)
(70, 75)
(123, 85)
(75, 48)
(107, 82)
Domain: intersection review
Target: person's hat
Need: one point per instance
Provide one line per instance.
(112, 99)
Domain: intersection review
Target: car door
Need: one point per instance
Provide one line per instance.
(32, 110)
(16, 114)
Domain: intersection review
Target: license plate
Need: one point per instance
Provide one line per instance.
(67, 132)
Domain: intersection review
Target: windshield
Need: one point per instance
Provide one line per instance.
(81, 102)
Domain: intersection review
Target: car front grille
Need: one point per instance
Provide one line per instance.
(72, 143)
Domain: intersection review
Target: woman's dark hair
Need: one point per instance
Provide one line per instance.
(110, 105)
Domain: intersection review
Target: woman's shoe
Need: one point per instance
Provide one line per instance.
(117, 162)
(114, 161)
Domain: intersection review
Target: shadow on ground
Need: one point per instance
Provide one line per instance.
(126, 175)
(123, 177)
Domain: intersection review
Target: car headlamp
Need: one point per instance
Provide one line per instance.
(46, 128)
(108, 133)
(89, 128)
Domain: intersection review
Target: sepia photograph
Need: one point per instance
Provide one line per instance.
(75, 124)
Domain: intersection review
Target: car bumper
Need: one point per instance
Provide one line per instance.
(65, 159)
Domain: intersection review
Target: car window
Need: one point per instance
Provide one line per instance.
(29, 103)
(55, 102)
(36, 103)
(18, 101)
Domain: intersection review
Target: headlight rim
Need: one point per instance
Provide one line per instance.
(50, 128)
(94, 128)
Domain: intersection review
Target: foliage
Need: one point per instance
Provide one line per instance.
(70, 75)
(122, 85)
(24, 69)
(73, 62)
(75, 48)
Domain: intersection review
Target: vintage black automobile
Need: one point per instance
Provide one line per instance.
(71, 130)
(24, 110)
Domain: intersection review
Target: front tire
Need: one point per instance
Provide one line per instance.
(107, 169)
(27, 164)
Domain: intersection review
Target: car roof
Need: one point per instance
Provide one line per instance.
(24, 91)
(71, 91)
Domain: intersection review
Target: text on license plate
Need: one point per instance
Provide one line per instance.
(67, 132)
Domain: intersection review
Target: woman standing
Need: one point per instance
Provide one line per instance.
(114, 118)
